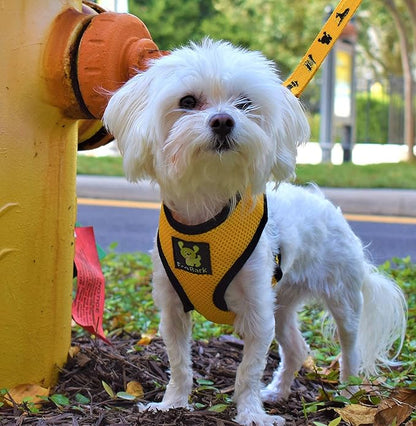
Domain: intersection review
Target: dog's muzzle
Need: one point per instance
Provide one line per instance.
(222, 125)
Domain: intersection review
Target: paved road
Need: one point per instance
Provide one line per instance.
(394, 202)
(134, 229)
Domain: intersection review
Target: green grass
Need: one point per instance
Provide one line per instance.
(395, 175)
(105, 166)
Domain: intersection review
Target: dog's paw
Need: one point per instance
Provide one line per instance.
(163, 406)
(248, 418)
(153, 406)
(269, 394)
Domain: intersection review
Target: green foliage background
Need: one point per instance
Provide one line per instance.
(282, 29)
(377, 127)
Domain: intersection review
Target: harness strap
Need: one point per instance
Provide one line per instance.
(202, 260)
(278, 273)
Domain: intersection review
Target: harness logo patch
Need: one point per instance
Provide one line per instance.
(192, 257)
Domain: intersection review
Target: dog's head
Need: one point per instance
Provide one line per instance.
(209, 117)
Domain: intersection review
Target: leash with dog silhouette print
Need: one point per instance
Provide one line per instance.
(321, 46)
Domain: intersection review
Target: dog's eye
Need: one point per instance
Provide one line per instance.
(243, 103)
(187, 102)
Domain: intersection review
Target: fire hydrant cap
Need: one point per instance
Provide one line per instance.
(112, 49)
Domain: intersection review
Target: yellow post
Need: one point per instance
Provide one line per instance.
(51, 69)
(37, 201)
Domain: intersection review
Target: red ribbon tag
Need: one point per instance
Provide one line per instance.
(88, 305)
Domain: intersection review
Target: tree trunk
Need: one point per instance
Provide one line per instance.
(409, 121)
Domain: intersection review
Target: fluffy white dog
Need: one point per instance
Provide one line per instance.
(212, 124)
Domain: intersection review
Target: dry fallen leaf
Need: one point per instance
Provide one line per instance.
(146, 339)
(397, 408)
(309, 364)
(19, 393)
(83, 359)
(135, 389)
(74, 351)
(326, 373)
(357, 415)
(334, 366)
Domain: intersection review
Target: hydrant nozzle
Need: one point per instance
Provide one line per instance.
(89, 55)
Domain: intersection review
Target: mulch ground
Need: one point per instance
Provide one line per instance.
(116, 365)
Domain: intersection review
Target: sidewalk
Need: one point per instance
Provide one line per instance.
(387, 202)
(310, 153)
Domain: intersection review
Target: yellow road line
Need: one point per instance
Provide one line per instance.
(381, 219)
(156, 206)
(119, 203)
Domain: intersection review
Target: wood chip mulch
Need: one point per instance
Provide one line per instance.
(116, 365)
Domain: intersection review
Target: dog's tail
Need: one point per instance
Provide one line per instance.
(383, 321)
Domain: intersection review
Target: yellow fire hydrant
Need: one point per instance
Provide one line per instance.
(53, 66)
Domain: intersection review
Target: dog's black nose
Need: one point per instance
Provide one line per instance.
(221, 124)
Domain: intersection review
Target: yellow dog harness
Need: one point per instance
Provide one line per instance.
(202, 260)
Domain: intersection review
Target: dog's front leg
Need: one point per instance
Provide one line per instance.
(256, 326)
(176, 330)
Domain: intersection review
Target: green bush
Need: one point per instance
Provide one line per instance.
(314, 123)
(372, 119)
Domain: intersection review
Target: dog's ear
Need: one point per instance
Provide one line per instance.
(126, 118)
(290, 129)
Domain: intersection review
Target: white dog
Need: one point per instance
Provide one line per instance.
(211, 124)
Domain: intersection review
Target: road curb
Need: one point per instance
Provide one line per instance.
(384, 202)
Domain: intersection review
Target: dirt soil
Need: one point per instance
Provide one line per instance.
(116, 365)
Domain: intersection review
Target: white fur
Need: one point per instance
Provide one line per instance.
(321, 257)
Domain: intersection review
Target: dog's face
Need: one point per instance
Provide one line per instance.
(207, 117)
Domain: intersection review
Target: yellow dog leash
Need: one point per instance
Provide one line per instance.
(321, 46)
